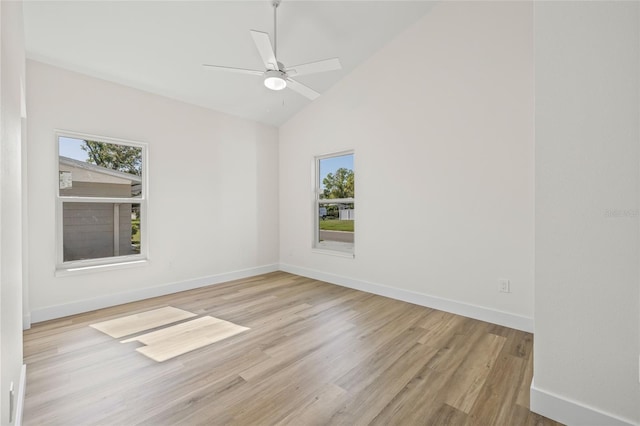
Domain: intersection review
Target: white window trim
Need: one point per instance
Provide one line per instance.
(328, 247)
(105, 263)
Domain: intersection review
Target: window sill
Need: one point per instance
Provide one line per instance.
(330, 252)
(67, 270)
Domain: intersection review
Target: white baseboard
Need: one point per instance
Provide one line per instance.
(571, 412)
(21, 393)
(59, 311)
(472, 311)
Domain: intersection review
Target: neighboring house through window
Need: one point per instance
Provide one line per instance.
(101, 201)
(335, 203)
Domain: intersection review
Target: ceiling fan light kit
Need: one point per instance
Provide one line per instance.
(276, 75)
(275, 80)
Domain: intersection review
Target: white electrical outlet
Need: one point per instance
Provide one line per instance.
(504, 286)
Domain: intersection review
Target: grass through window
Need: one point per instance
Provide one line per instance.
(337, 225)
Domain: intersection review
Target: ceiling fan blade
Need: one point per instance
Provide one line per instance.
(314, 67)
(236, 70)
(263, 44)
(302, 89)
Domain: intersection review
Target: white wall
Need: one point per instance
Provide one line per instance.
(213, 190)
(587, 232)
(441, 121)
(12, 76)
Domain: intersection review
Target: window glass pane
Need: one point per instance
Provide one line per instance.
(99, 169)
(337, 224)
(336, 219)
(100, 230)
(336, 177)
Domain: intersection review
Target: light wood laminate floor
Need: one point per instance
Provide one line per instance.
(315, 353)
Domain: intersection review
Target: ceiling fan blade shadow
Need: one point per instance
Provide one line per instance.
(263, 44)
(315, 67)
(231, 69)
(302, 89)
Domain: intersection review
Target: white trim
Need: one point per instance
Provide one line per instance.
(84, 266)
(26, 316)
(334, 154)
(472, 311)
(105, 200)
(567, 411)
(21, 393)
(59, 311)
(335, 200)
(339, 253)
(26, 321)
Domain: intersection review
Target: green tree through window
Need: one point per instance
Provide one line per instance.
(123, 158)
(339, 185)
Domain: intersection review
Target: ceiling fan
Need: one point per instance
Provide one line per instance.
(276, 75)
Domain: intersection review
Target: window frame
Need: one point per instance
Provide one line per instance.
(329, 247)
(103, 262)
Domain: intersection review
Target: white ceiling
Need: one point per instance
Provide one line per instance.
(159, 46)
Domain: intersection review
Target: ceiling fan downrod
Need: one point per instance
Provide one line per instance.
(275, 5)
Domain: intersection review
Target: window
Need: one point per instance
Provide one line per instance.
(335, 203)
(101, 210)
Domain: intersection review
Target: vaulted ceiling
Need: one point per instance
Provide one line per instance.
(160, 46)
